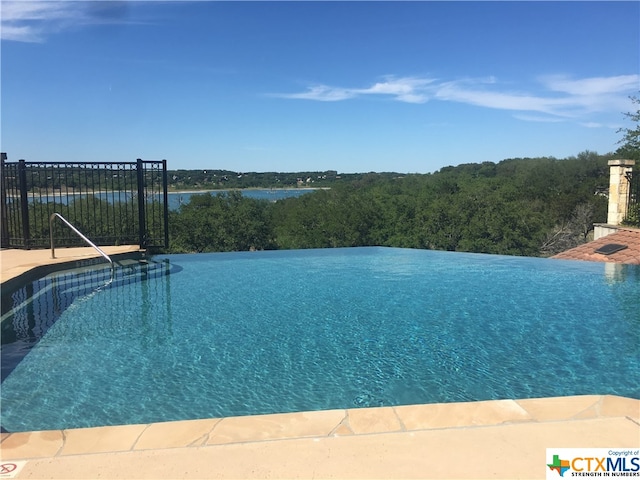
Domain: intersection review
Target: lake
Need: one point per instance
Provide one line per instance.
(180, 198)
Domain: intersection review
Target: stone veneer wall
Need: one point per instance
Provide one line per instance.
(618, 190)
(618, 197)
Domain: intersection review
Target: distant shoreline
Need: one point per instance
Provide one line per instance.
(249, 188)
(59, 193)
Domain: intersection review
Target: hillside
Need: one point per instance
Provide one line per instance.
(522, 206)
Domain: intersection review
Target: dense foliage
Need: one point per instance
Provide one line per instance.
(223, 223)
(630, 141)
(530, 206)
(630, 149)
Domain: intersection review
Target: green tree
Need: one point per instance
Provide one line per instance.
(221, 223)
(630, 140)
(515, 207)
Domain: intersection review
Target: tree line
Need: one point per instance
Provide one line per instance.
(521, 206)
(226, 179)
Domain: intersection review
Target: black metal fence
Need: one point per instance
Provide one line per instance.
(633, 209)
(634, 186)
(112, 203)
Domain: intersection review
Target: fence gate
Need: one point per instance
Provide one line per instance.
(112, 203)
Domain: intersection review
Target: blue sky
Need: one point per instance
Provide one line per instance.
(293, 86)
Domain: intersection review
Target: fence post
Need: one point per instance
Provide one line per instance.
(24, 201)
(142, 228)
(165, 185)
(4, 225)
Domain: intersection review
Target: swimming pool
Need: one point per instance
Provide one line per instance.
(225, 334)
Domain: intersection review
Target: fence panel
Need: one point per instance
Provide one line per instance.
(633, 209)
(634, 187)
(112, 203)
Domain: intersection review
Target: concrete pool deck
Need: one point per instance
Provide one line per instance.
(14, 263)
(490, 439)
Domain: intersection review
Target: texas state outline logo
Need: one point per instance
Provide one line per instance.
(559, 465)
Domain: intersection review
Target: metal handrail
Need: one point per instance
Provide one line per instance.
(53, 254)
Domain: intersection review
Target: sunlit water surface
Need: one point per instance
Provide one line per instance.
(215, 335)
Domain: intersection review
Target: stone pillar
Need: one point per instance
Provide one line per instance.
(618, 190)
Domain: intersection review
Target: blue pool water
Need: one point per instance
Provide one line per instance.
(212, 335)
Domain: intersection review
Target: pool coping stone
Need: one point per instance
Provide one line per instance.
(318, 424)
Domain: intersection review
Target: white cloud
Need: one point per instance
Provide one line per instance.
(34, 10)
(30, 21)
(408, 89)
(34, 20)
(462, 93)
(320, 93)
(537, 118)
(560, 97)
(19, 33)
(610, 126)
(591, 86)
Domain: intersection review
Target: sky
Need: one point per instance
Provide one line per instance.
(312, 86)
